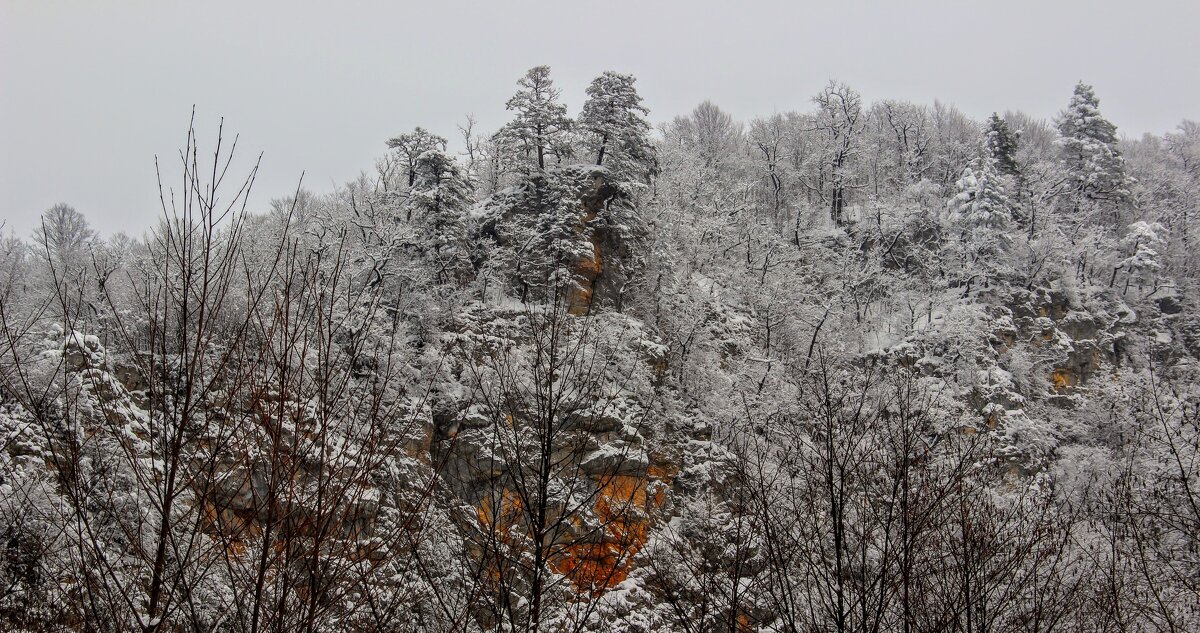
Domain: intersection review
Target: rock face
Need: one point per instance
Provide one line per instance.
(1079, 341)
(1028, 355)
(605, 482)
(255, 469)
(590, 266)
(608, 477)
(624, 507)
(571, 219)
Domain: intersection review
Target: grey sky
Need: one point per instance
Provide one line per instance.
(91, 91)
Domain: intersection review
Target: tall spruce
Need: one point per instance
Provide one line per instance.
(981, 201)
(1002, 144)
(1089, 149)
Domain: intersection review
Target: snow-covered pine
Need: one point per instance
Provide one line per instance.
(613, 120)
(1089, 149)
(981, 201)
(1002, 144)
(441, 194)
(410, 146)
(539, 134)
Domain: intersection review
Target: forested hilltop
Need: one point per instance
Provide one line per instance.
(859, 367)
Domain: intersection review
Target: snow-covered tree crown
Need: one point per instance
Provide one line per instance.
(614, 119)
(540, 128)
(1089, 148)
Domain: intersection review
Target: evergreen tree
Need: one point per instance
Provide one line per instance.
(1089, 149)
(614, 120)
(981, 201)
(1002, 144)
(412, 145)
(441, 194)
(541, 127)
(543, 230)
(980, 214)
(1141, 242)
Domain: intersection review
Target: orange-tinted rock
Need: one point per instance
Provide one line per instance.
(502, 513)
(598, 557)
(1063, 380)
(623, 504)
(587, 271)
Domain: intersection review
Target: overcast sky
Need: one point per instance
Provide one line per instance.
(92, 91)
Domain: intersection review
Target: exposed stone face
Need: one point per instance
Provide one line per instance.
(616, 458)
(580, 215)
(607, 454)
(624, 506)
(588, 270)
(470, 464)
(626, 469)
(1083, 339)
(228, 485)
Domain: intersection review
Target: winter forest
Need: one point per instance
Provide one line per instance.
(860, 366)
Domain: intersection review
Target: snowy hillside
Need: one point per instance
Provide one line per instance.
(855, 367)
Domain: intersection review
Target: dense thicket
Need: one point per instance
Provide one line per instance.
(857, 367)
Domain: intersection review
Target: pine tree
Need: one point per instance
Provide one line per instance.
(980, 214)
(440, 196)
(1002, 144)
(541, 127)
(1089, 149)
(1142, 242)
(613, 118)
(412, 145)
(543, 231)
(981, 201)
